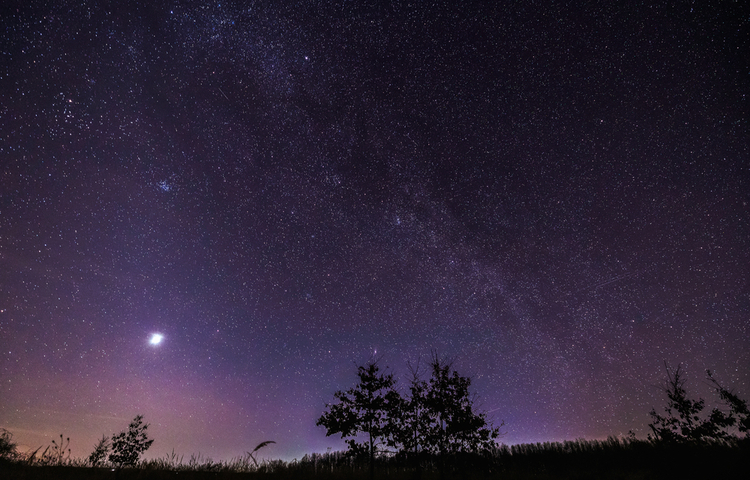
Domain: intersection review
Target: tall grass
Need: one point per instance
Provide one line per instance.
(580, 459)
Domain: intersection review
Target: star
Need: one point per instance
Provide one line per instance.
(283, 192)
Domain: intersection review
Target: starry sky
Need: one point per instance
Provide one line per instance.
(555, 196)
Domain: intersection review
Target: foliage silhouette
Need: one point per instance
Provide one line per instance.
(127, 446)
(436, 420)
(367, 408)
(413, 421)
(622, 458)
(738, 409)
(683, 421)
(7, 445)
(455, 427)
(101, 449)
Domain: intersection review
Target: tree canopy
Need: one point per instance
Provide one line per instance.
(684, 421)
(454, 425)
(366, 408)
(437, 416)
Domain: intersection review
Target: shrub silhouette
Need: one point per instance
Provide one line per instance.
(127, 446)
(101, 449)
(7, 445)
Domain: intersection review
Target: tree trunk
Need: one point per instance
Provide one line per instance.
(372, 459)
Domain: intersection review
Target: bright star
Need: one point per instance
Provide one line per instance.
(156, 339)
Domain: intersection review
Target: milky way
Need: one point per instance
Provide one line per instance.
(556, 197)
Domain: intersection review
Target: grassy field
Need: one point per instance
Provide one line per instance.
(609, 459)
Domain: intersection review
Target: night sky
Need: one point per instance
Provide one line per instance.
(554, 196)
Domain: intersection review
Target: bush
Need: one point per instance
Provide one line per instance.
(128, 446)
(7, 446)
(101, 449)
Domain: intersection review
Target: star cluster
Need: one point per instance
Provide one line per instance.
(554, 195)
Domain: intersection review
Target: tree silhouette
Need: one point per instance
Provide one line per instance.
(367, 408)
(738, 409)
(127, 446)
(437, 418)
(412, 420)
(413, 415)
(455, 426)
(683, 421)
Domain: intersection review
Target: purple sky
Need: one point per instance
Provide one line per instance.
(556, 197)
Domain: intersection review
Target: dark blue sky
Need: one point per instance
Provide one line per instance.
(555, 196)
